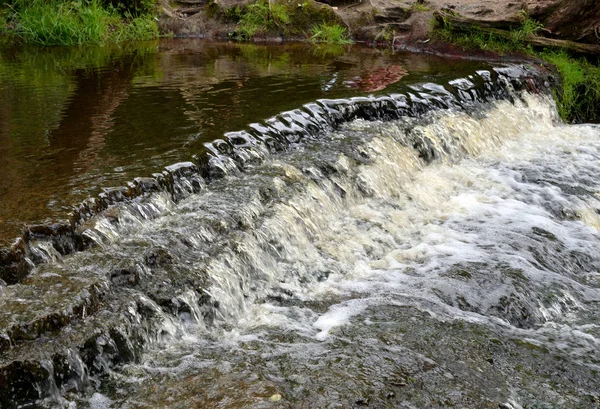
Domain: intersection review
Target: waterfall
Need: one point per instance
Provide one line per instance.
(464, 202)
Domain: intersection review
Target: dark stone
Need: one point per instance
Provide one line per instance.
(125, 277)
(157, 256)
(13, 265)
(19, 382)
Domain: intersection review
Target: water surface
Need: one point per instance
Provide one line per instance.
(438, 258)
(74, 120)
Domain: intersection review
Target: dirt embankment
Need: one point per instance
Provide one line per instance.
(403, 22)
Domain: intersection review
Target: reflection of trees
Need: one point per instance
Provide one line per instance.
(10, 176)
(225, 84)
(88, 117)
(56, 109)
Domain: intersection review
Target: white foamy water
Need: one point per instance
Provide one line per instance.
(495, 240)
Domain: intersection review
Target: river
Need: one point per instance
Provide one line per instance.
(434, 245)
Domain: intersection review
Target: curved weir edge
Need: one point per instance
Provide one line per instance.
(236, 149)
(26, 374)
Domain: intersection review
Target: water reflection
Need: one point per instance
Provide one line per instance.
(378, 79)
(74, 120)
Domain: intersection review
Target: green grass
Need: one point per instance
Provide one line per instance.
(330, 33)
(143, 27)
(478, 39)
(420, 7)
(64, 24)
(262, 16)
(577, 97)
(276, 17)
(59, 22)
(258, 17)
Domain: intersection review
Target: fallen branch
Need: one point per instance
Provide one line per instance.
(464, 24)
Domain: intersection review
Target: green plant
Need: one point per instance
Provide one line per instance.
(387, 34)
(256, 18)
(528, 28)
(64, 23)
(330, 33)
(578, 97)
(60, 22)
(279, 14)
(288, 18)
(420, 7)
(260, 16)
(139, 28)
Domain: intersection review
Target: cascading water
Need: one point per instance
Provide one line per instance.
(424, 258)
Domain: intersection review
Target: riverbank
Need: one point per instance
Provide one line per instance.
(463, 29)
(93, 22)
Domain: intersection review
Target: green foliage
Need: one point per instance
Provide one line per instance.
(256, 18)
(476, 38)
(479, 40)
(387, 34)
(330, 33)
(578, 97)
(420, 7)
(284, 17)
(64, 23)
(143, 27)
(59, 22)
(528, 28)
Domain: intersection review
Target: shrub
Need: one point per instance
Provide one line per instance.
(330, 33)
(59, 22)
(578, 97)
(288, 18)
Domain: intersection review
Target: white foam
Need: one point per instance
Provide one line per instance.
(336, 316)
(99, 401)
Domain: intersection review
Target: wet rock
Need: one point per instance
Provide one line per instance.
(146, 185)
(114, 195)
(13, 264)
(48, 230)
(516, 311)
(46, 314)
(20, 382)
(157, 256)
(125, 277)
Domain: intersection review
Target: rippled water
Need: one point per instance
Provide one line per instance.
(445, 258)
(470, 281)
(76, 120)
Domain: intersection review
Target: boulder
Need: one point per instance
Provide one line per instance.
(575, 20)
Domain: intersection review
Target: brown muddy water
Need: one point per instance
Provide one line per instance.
(75, 120)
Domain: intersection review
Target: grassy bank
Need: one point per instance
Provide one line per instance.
(62, 22)
(289, 19)
(577, 97)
